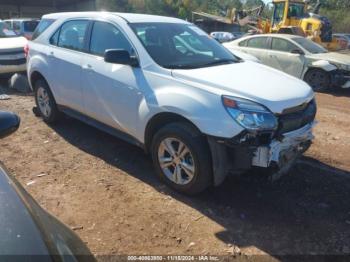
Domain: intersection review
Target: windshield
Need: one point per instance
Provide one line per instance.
(181, 46)
(296, 10)
(29, 26)
(5, 32)
(310, 46)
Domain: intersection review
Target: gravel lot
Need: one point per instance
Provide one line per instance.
(107, 189)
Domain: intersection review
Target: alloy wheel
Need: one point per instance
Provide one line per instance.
(44, 101)
(176, 161)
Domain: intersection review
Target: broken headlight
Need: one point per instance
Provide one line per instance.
(250, 115)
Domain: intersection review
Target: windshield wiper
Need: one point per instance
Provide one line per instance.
(180, 66)
(219, 62)
(194, 66)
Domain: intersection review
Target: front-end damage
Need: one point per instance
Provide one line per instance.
(340, 78)
(274, 150)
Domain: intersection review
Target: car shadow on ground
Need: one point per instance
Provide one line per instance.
(306, 213)
(4, 89)
(340, 92)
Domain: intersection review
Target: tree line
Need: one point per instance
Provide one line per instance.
(336, 10)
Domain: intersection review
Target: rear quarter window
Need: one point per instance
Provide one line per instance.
(43, 25)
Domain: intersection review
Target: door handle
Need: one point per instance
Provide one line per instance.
(51, 53)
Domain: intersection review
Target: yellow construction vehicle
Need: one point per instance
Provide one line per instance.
(288, 17)
(294, 17)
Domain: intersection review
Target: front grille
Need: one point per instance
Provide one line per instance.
(20, 61)
(296, 119)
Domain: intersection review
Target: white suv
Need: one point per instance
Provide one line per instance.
(166, 86)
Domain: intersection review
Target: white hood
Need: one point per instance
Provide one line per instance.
(12, 43)
(269, 87)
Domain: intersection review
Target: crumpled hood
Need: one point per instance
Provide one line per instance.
(269, 87)
(12, 43)
(332, 57)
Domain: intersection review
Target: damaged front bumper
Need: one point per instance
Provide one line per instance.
(284, 150)
(264, 152)
(340, 78)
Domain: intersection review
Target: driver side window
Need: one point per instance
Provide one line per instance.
(282, 45)
(106, 36)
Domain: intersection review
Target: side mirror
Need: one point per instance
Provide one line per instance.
(9, 123)
(297, 52)
(119, 56)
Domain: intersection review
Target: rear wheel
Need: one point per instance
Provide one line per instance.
(182, 158)
(45, 102)
(318, 79)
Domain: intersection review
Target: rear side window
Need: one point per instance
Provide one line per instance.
(29, 26)
(258, 42)
(106, 36)
(72, 35)
(43, 25)
(282, 45)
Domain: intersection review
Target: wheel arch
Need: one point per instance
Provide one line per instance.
(35, 76)
(159, 120)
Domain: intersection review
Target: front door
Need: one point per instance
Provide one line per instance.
(111, 93)
(281, 57)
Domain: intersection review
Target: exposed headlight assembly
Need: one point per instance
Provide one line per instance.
(250, 115)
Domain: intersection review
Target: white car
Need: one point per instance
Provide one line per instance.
(23, 26)
(222, 37)
(12, 57)
(201, 113)
(299, 57)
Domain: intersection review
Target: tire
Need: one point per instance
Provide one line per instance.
(197, 159)
(45, 102)
(318, 79)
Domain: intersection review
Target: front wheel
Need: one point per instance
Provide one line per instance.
(318, 79)
(182, 158)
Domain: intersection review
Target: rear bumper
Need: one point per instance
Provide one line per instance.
(278, 154)
(6, 69)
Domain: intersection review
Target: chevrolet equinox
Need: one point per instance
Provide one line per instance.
(163, 84)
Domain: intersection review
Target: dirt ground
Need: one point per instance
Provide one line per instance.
(107, 189)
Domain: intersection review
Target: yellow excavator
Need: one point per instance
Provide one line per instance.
(295, 17)
(288, 17)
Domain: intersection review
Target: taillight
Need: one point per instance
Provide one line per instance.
(26, 50)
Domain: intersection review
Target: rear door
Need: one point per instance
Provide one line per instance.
(280, 56)
(256, 46)
(66, 52)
